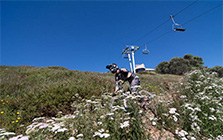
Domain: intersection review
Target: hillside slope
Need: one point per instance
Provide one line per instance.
(31, 92)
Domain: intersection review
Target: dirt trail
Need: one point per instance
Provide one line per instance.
(156, 134)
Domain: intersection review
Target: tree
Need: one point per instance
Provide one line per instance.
(180, 65)
(217, 69)
(162, 68)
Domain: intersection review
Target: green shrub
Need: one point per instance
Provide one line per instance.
(179, 66)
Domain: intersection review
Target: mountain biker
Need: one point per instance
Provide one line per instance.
(124, 75)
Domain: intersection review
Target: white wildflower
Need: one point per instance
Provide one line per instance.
(197, 109)
(183, 96)
(101, 130)
(125, 124)
(190, 108)
(80, 135)
(172, 110)
(44, 125)
(40, 118)
(182, 133)
(96, 134)
(153, 123)
(8, 133)
(93, 102)
(175, 118)
(56, 127)
(24, 138)
(49, 121)
(71, 138)
(165, 114)
(212, 110)
(195, 127)
(128, 118)
(110, 114)
(212, 117)
(176, 131)
(20, 137)
(62, 130)
(106, 135)
(192, 138)
(220, 137)
(99, 123)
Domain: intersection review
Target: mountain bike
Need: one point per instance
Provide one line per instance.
(141, 97)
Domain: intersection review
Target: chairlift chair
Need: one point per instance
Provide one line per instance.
(176, 26)
(145, 51)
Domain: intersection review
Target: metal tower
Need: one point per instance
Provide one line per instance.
(128, 52)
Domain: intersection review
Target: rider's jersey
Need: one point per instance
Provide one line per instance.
(122, 75)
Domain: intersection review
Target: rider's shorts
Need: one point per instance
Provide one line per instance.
(135, 84)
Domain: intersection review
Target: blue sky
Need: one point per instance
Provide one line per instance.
(88, 35)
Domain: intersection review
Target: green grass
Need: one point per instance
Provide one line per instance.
(32, 92)
(44, 91)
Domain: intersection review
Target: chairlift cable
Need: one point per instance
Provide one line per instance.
(186, 8)
(164, 22)
(202, 14)
(159, 36)
(187, 22)
(151, 31)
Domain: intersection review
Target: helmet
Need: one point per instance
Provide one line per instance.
(113, 67)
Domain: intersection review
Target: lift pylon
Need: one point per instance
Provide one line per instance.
(130, 50)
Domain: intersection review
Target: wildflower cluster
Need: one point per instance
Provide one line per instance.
(196, 104)
(8, 116)
(203, 104)
(4, 134)
(93, 119)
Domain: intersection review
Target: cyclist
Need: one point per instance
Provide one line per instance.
(124, 75)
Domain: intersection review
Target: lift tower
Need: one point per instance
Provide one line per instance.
(128, 52)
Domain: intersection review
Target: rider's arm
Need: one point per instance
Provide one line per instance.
(117, 87)
(129, 75)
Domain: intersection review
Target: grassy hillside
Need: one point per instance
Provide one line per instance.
(32, 92)
(44, 91)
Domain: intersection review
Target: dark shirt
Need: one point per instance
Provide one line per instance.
(122, 75)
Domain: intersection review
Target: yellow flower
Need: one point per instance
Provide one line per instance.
(16, 121)
(2, 112)
(18, 113)
(18, 118)
(7, 95)
(7, 101)
(1, 100)
(3, 103)
(13, 121)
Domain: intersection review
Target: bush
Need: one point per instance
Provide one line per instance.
(202, 104)
(179, 66)
(217, 69)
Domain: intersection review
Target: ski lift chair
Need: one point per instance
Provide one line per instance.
(176, 26)
(145, 51)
